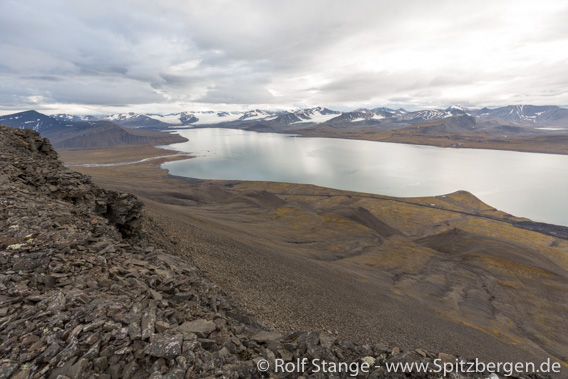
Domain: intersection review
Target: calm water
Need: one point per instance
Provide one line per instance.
(524, 184)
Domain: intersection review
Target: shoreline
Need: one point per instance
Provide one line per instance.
(550, 229)
(440, 140)
(250, 229)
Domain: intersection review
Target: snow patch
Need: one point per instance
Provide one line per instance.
(168, 119)
(457, 107)
(318, 118)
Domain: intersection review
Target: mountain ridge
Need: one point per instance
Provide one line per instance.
(68, 133)
(523, 115)
(521, 128)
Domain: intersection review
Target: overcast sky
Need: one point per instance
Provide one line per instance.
(110, 56)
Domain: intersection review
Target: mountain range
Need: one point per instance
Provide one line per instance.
(80, 131)
(514, 115)
(68, 132)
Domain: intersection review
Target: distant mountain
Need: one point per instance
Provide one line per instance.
(399, 111)
(361, 114)
(282, 118)
(196, 118)
(492, 120)
(447, 125)
(73, 118)
(287, 118)
(182, 118)
(211, 117)
(401, 117)
(84, 134)
(456, 110)
(31, 120)
(258, 114)
(527, 114)
(383, 109)
(134, 120)
(425, 115)
(315, 115)
(187, 118)
(101, 134)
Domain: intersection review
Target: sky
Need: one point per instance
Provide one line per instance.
(146, 56)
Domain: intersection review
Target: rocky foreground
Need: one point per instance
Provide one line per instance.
(89, 288)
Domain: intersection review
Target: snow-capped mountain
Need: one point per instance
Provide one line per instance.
(545, 115)
(528, 117)
(211, 117)
(182, 118)
(455, 110)
(258, 114)
(31, 120)
(287, 118)
(399, 111)
(309, 115)
(426, 115)
(132, 119)
(196, 118)
(316, 115)
(361, 114)
(384, 109)
(65, 117)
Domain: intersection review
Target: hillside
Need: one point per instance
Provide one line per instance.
(444, 134)
(373, 268)
(107, 134)
(91, 287)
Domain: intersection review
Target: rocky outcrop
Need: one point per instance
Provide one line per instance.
(85, 292)
(30, 162)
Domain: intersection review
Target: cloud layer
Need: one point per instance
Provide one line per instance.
(170, 55)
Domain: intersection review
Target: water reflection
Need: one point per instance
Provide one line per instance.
(524, 184)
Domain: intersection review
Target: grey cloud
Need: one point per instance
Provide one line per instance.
(327, 52)
(101, 91)
(362, 86)
(100, 70)
(240, 89)
(111, 92)
(357, 86)
(170, 80)
(228, 94)
(49, 78)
